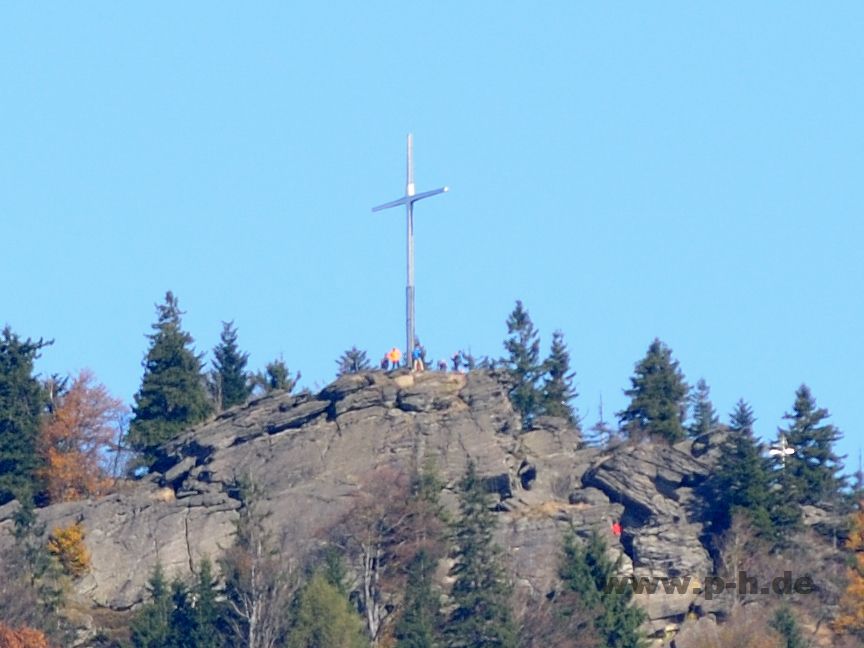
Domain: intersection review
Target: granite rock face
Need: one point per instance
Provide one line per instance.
(310, 454)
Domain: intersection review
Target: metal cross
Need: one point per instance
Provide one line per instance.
(781, 449)
(408, 200)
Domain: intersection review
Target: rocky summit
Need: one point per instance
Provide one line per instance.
(309, 455)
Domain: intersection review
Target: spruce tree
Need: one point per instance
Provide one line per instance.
(205, 615)
(481, 616)
(229, 366)
(420, 620)
(151, 626)
(658, 395)
(276, 377)
(32, 590)
(22, 402)
(785, 624)
(742, 479)
(586, 570)
(523, 364)
(704, 417)
(353, 361)
(173, 394)
(558, 390)
(814, 468)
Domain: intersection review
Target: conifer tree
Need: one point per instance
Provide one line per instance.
(229, 369)
(481, 616)
(181, 617)
(201, 616)
(523, 363)
(704, 417)
(587, 571)
(600, 434)
(32, 588)
(22, 402)
(276, 377)
(742, 479)
(173, 394)
(787, 627)
(323, 617)
(420, 620)
(420, 623)
(658, 394)
(151, 626)
(814, 468)
(353, 361)
(558, 390)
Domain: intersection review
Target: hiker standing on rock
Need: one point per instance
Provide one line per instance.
(395, 357)
(456, 359)
(417, 359)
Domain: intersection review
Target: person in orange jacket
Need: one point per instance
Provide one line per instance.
(395, 357)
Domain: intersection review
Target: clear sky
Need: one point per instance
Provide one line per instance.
(691, 171)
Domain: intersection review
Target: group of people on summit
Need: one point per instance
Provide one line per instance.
(392, 360)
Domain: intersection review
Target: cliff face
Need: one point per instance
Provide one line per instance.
(309, 455)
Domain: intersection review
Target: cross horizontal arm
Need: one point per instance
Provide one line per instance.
(427, 194)
(402, 201)
(405, 200)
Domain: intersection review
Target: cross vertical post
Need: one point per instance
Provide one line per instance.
(408, 200)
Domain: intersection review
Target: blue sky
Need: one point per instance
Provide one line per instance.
(678, 170)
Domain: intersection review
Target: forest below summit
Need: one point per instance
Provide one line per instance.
(417, 560)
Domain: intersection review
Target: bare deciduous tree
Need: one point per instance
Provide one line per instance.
(258, 587)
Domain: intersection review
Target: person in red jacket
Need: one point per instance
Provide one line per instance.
(616, 529)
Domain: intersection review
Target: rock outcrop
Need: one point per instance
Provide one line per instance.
(310, 454)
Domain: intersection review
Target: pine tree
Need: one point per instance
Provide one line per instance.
(587, 571)
(785, 624)
(742, 479)
(323, 617)
(481, 616)
(523, 365)
(657, 398)
(353, 361)
(814, 468)
(151, 626)
(229, 369)
(558, 390)
(22, 402)
(421, 619)
(173, 393)
(704, 417)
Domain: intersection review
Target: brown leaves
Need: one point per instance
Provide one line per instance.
(75, 437)
(851, 617)
(21, 638)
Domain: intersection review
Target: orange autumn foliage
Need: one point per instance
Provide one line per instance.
(74, 438)
(67, 544)
(21, 638)
(851, 618)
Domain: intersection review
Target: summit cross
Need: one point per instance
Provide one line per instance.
(408, 200)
